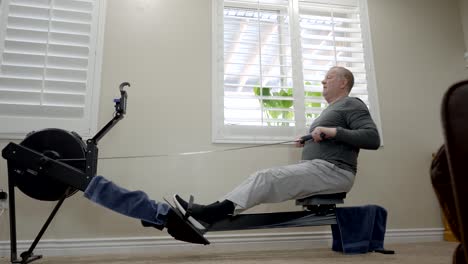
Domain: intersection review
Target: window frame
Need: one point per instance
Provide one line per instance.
(89, 124)
(256, 134)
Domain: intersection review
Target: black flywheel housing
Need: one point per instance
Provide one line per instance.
(56, 144)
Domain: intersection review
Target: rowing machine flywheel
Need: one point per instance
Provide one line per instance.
(56, 144)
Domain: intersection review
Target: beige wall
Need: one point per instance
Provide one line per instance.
(163, 49)
(464, 19)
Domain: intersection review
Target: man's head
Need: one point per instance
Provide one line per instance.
(337, 83)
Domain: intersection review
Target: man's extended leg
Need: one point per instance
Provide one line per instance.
(290, 182)
(271, 186)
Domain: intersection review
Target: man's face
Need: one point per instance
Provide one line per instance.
(333, 85)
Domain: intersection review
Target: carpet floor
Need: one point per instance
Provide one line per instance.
(412, 253)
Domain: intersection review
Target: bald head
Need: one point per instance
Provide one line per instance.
(346, 74)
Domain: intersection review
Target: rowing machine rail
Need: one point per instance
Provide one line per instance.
(320, 211)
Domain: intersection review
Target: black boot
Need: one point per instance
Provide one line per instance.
(202, 216)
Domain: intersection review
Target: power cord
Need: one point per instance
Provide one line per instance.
(3, 201)
(3, 195)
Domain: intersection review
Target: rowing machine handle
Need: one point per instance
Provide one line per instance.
(309, 137)
(120, 110)
(121, 103)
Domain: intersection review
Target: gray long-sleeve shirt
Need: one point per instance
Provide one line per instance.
(355, 130)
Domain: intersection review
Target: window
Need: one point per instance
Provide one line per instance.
(270, 57)
(50, 65)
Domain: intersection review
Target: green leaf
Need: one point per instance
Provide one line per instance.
(265, 91)
(276, 103)
(285, 103)
(286, 92)
(313, 94)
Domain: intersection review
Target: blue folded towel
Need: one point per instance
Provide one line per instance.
(360, 229)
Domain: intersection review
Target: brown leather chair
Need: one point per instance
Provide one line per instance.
(449, 171)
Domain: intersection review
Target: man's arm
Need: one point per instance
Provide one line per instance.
(359, 131)
(362, 132)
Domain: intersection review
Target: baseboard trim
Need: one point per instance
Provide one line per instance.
(220, 242)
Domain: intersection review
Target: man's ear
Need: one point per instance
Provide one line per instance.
(344, 84)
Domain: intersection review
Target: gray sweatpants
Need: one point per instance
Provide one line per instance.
(289, 182)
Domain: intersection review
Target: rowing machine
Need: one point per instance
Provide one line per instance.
(52, 165)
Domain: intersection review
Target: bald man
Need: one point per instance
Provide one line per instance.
(328, 165)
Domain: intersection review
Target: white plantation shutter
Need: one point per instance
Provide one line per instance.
(270, 57)
(48, 74)
(257, 54)
(330, 36)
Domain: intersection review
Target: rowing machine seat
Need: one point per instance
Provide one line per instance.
(322, 204)
(333, 198)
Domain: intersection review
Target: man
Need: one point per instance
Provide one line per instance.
(328, 165)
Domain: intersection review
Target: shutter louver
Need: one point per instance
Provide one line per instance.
(257, 64)
(330, 36)
(47, 65)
